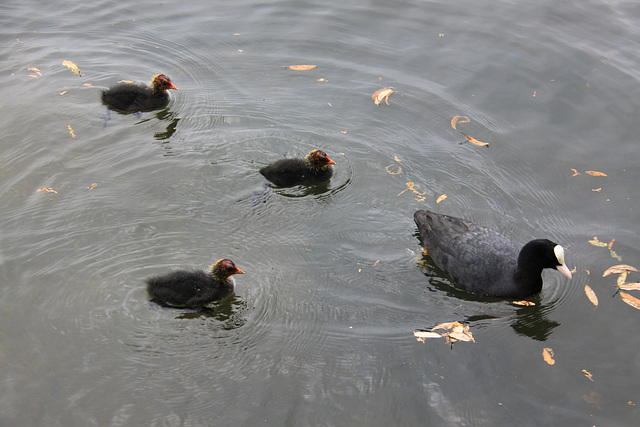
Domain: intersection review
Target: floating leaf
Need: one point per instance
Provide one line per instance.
(94, 185)
(47, 189)
(411, 186)
(35, 70)
(460, 336)
(596, 189)
(322, 80)
(302, 67)
(126, 81)
(73, 67)
(421, 335)
(524, 303)
(399, 171)
(396, 158)
(595, 173)
(575, 172)
(87, 84)
(475, 141)
(634, 286)
(459, 119)
(547, 355)
(591, 295)
(381, 94)
(587, 374)
(632, 301)
(441, 198)
(73, 134)
(622, 277)
(596, 242)
(617, 269)
(446, 325)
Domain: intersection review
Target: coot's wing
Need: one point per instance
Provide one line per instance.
(285, 172)
(476, 258)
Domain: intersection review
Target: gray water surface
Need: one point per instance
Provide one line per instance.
(320, 329)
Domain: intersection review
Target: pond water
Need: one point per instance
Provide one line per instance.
(320, 329)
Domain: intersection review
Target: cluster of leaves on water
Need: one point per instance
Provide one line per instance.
(455, 331)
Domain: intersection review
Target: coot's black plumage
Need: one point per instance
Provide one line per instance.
(193, 288)
(314, 168)
(484, 261)
(134, 97)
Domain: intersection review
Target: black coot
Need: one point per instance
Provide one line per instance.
(134, 97)
(193, 289)
(314, 168)
(485, 262)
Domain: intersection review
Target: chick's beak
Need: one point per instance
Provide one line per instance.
(331, 162)
(171, 86)
(238, 271)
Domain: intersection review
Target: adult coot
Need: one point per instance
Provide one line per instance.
(315, 167)
(133, 97)
(484, 261)
(192, 289)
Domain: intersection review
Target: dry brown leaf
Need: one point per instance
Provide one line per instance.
(441, 198)
(622, 277)
(587, 374)
(595, 173)
(35, 70)
(382, 94)
(460, 336)
(475, 141)
(73, 67)
(302, 67)
(73, 134)
(632, 301)
(547, 355)
(459, 119)
(575, 172)
(591, 295)
(524, 303)
(621, 268)
(446, 325)
(633, 286)
(47, 189)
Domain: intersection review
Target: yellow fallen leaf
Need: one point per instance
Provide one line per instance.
(621, 268)
(376, 263)
(596, 242)
(411, 186)
(459, 119)
(634, 286)
(587, 374)
(591, 295)
(87, 84)
(524, 303)
(547, 355)
(441, 198)
(94, 185)
(631, 403)
(47, 189)
(396, 158)
(322, 80)
(595, 173)
(622, 277)
(575, 172)
(73, 67)
(475, 141)
(596, 189)
(381, 94)
(302, 67)
(73, 134)
(393, 173)
(460, 336)
(632, 301)
(126, 81)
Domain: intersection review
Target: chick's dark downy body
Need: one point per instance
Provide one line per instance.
(314, 168)
(193, 288)
(485, 262)
(134, 97)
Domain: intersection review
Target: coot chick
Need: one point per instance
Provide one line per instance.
(314, 168)
(193, 288)
(485, 262)
(134, 97)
